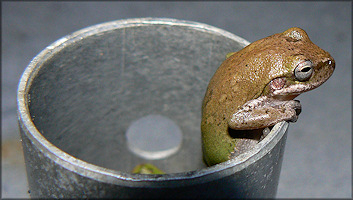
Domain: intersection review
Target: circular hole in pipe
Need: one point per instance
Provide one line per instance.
(154, 137)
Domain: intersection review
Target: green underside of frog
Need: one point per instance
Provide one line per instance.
(255, 88)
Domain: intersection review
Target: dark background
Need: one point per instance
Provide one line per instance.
(317, 159)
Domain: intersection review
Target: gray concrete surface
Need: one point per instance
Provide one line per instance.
(317, 160)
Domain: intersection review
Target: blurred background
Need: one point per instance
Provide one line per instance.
(317, 159)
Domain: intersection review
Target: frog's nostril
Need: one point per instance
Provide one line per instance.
(331, 63)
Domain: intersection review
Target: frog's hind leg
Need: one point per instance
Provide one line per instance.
(247, 139)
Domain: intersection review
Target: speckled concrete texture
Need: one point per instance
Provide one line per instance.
(317, 159)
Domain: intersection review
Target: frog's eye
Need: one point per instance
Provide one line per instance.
(304, 70)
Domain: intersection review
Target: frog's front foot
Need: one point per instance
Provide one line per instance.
(294, 108)
(264, 112)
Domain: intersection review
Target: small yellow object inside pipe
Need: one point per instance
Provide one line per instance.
(146, 168)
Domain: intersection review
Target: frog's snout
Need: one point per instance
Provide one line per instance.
(330, 66)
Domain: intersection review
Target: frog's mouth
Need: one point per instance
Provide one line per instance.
(294, 90)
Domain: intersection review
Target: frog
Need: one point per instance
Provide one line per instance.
(255, 88)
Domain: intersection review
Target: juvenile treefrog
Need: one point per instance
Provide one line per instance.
(254, 88)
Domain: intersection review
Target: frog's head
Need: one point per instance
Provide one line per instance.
(304, 66)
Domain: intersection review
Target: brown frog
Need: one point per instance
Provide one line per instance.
(254, 88)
